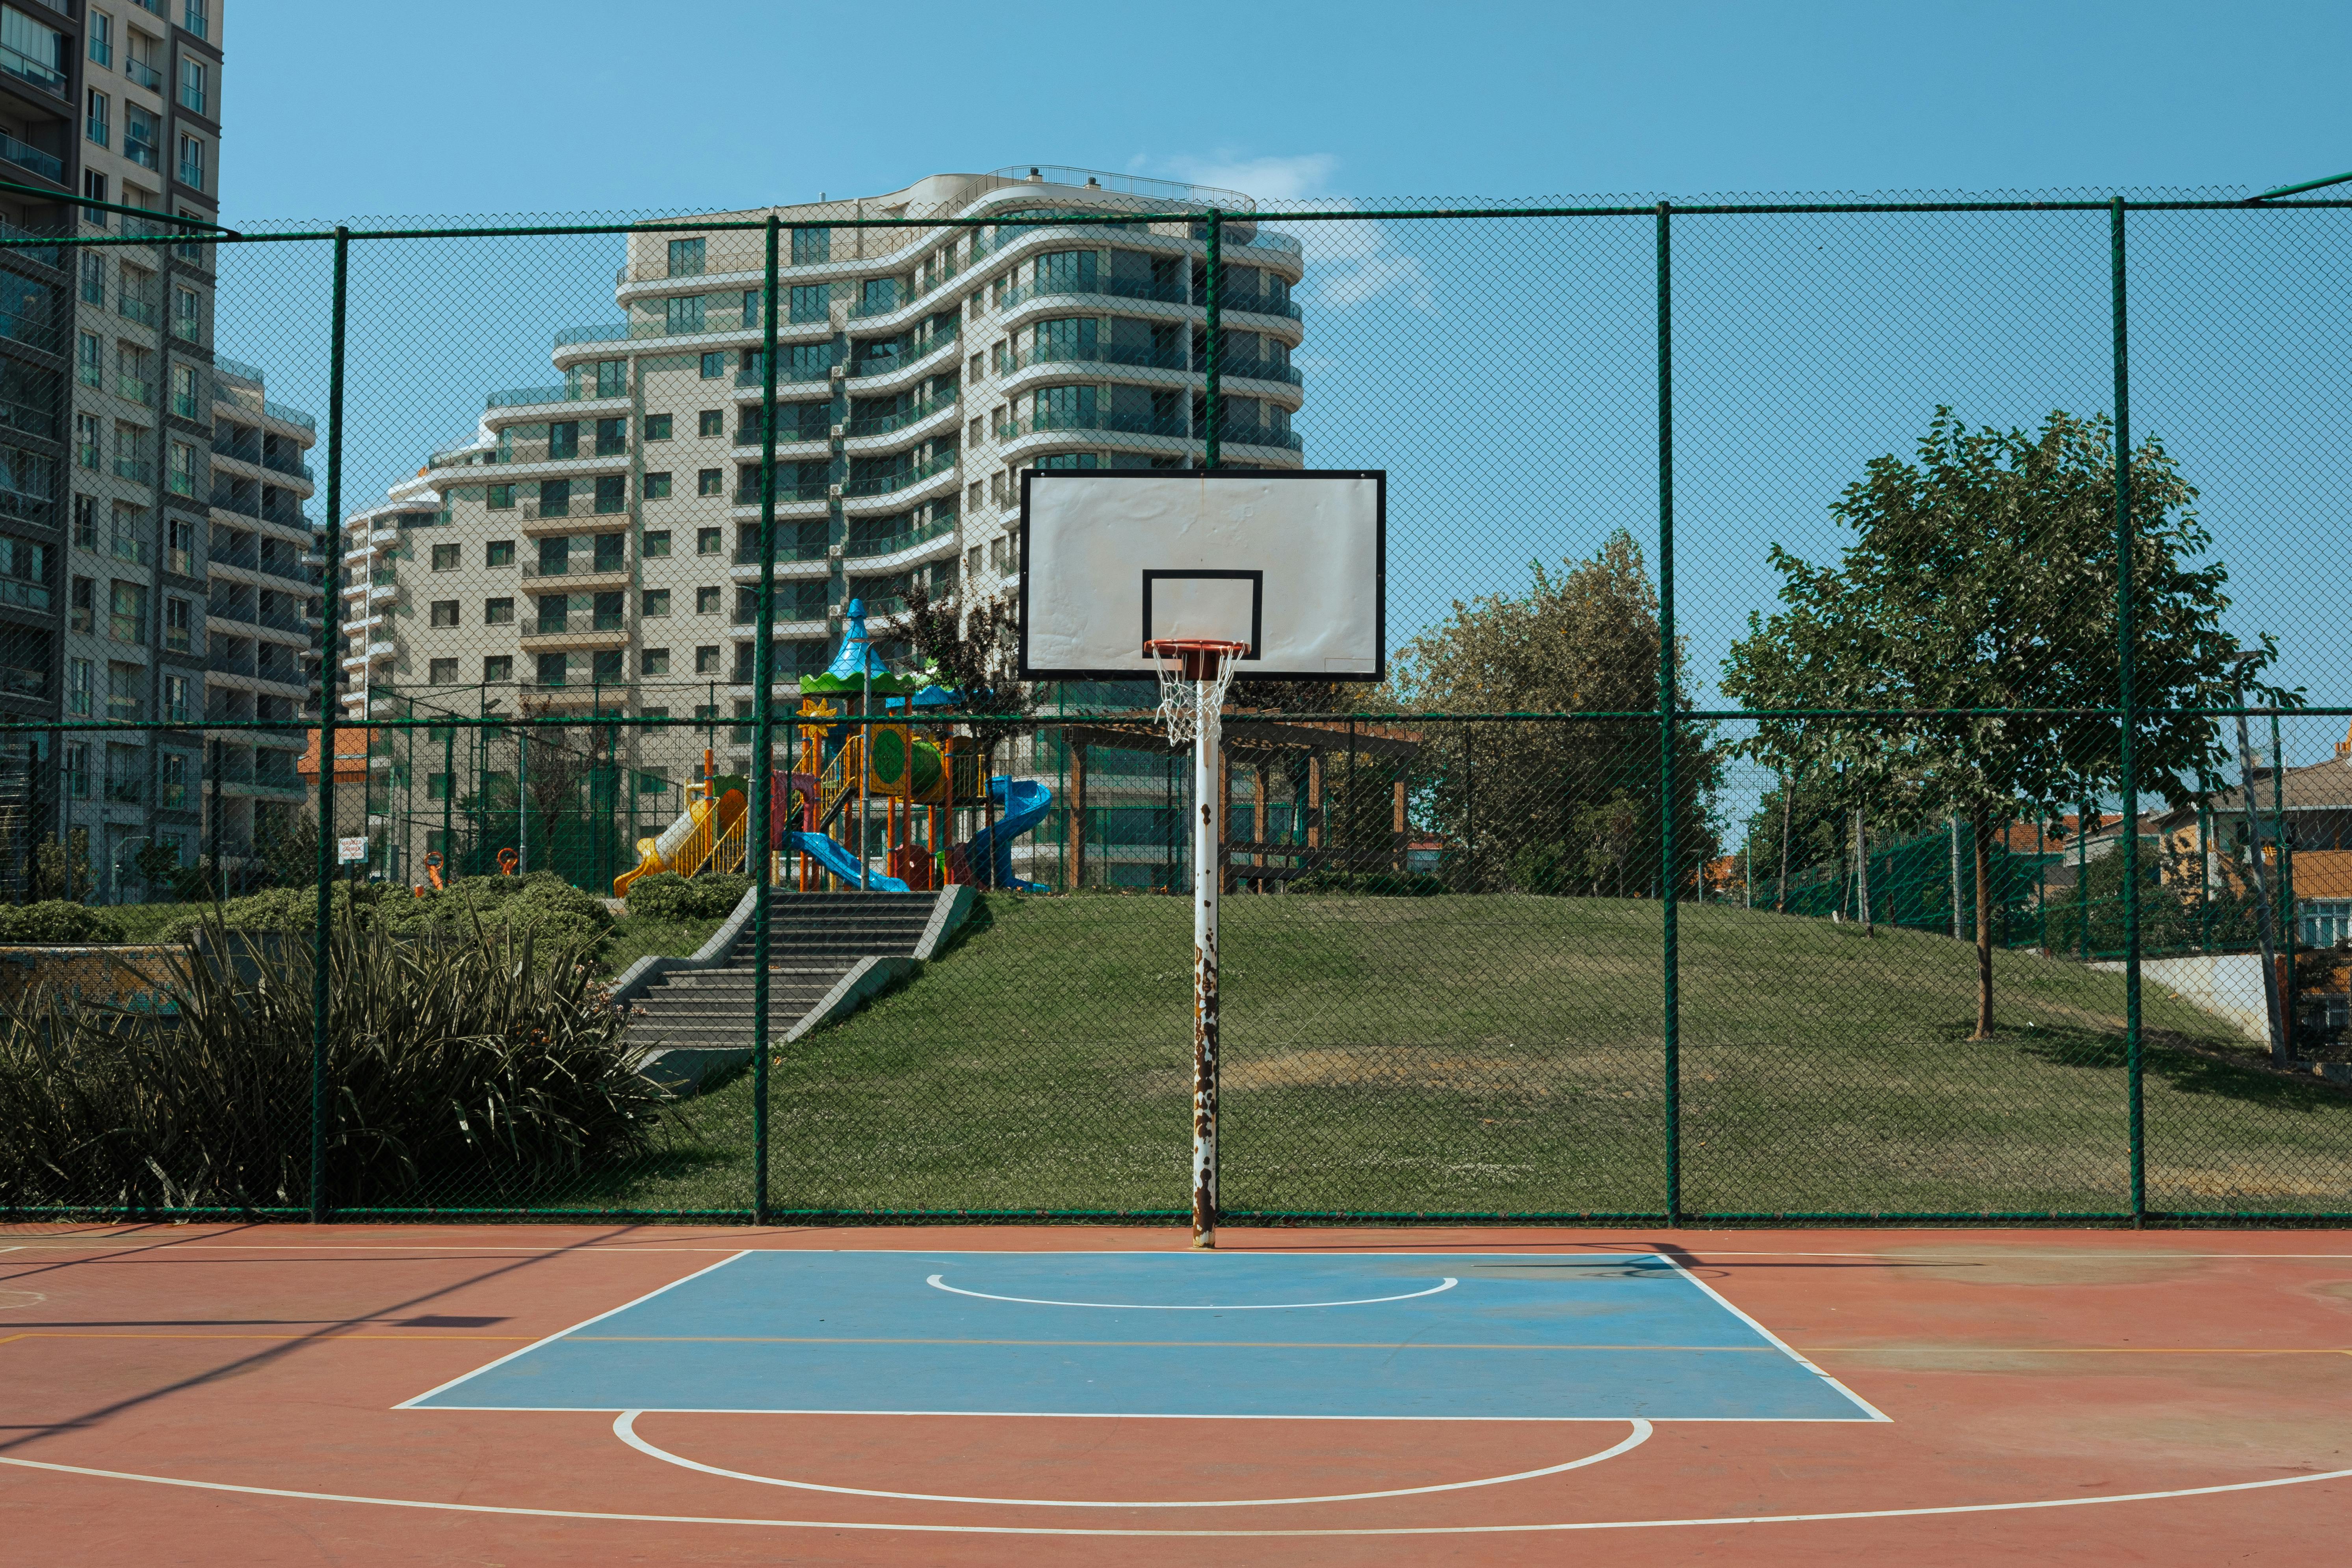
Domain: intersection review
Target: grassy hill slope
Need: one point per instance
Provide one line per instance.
(1504, 1053)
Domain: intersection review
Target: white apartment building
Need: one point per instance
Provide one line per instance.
(595, 546)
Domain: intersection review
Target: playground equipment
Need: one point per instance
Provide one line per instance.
(709, 835)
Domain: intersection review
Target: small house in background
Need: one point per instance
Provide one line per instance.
(2303, 826)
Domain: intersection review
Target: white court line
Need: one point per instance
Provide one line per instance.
(550, 1339)
(939, 1282)
(625, 1428)
(475, 1508)
(1631, 1248)
(1135, 1415)
(1785, 1348)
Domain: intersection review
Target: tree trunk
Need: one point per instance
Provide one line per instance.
(1861, 869)
(1979, 824)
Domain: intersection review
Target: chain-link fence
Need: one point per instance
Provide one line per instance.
(1783, 802)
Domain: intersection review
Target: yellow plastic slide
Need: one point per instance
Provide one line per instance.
(685, 843)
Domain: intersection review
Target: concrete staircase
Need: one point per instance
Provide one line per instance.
(826, 953)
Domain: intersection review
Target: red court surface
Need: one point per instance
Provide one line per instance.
(216, 1395)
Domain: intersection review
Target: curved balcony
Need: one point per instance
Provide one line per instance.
(903, 361)
(786, 374)
(899, 483)
(886, 551)
(891, 424)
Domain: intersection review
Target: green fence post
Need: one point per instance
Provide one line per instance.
(756, 833)
(2082, 878)
(1212, 332)
(2288, 926)
(329, 669)
(2127, 718)
(1670, 955)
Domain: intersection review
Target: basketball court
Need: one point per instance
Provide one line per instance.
(572, 1394)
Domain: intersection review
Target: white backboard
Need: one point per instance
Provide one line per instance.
(1293, 563)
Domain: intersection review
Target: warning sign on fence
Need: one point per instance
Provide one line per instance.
(354, 849)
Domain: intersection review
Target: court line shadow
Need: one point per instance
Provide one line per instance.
(33, 1433)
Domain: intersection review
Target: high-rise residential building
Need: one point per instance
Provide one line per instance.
(107, 392)
(595, 547)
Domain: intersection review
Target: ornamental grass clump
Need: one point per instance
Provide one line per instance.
(463, 1070)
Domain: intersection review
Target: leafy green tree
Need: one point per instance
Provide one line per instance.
(1550, 806)
(1981, 582)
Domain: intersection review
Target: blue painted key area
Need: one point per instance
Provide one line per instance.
(1517, 1336)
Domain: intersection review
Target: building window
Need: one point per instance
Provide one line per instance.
(138, 136)
(686, 257)
(176, 781)
(499, 552)
(612, 437)
(180, 549)
(658, 426)
(706, 601)
(183, 391)
(126, 612)
(23, 573)
(605, 667)
(444, 612)
(85, 456)
(811, 302)
(563, 439)
(612, 492)
(101, 38)
(98, 123)
(711, 482)
(556, 498)
(183, 476)
(194, 81)
(657, 486)
(612, 378)
(78, 687)
(553, 668)
(78, 767)
(90, 360)
(197, 18)
(122, 704)
(714, 365)
(436, 786)
(652, 542)
(682, 315)
(878, 296)
(497, 612)
(179, 626)
(653, 661)
(500, 665)
(712, 422)
(442, 672)
(93, 185)
(811, 245)
(501, 499)
(655, 602)
(187, 315)
(176, 703)
(444, 557)
(554, 612)
(709, 541)
(705, 662)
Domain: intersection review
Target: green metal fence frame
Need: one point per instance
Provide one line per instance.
(1210, 221)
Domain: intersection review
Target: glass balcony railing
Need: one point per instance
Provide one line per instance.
(787, 374)
(224, 500)
(786, 550)
(24, 596)
(572, 568)
(182, 483)
(865, 548)
(1253, 303)
(747, 491)
(24, 67)
(295, 417)
(129, 552)
(142, 153)
(901, 357)
(135, 388)
(138, 470)
(145, 75)
(131, 308)
(27, 156)
(283, 464)
(1143, 424)
(884, 424)
(45, 253)
(596, 333)
(899, 479)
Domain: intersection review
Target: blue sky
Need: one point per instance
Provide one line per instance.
(1502, 377)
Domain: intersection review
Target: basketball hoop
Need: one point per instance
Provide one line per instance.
(1194, 673)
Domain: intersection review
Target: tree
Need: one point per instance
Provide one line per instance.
(555, 773)
(1981, 581)
(61, 870)
(1553, 806)
(286, 842)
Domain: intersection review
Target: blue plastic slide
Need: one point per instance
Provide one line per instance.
(841, 862)
(1022, 805)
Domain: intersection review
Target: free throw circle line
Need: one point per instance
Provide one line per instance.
(512, 1511)
(939, 1282)
(625, 1428)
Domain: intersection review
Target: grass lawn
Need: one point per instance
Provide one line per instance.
(1503, 1054)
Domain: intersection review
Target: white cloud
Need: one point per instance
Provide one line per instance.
(1349, 262)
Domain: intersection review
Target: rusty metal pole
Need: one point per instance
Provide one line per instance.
(1208, 874)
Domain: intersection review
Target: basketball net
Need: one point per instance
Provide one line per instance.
(1194, 678)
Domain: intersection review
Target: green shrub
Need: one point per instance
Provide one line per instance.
(1375, 884)
(667, 896)
(561, 915)
(55, 921)
(464, 1071)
